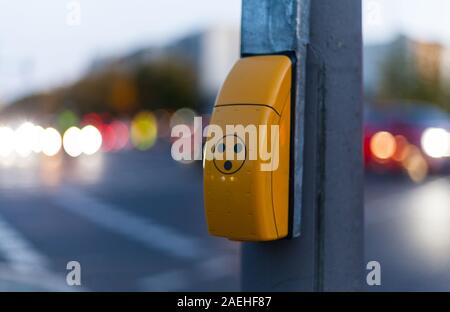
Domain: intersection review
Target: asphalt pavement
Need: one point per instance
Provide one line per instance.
(408, 233)
(134, 221)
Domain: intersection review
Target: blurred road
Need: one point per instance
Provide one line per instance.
(408, 233)
(134, 221)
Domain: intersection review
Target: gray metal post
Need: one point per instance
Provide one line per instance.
(328, 198)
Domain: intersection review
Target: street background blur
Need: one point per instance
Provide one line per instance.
(90, 90)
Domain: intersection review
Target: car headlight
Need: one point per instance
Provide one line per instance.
(436, 142)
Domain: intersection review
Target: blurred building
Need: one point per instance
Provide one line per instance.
(132, 59)
(213, 52)
(430, 61)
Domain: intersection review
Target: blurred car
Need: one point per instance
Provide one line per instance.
(406, 137)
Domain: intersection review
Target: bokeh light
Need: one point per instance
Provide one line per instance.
(415, 164)
(24, 138)
(383, 145)
(183, 116)
(436, 142)
(72, 142)
(51, 142)
(67, 119)
(121, 134)
(91, 140)
(109, 138)
(163, 116)
(92, 119)
(144, 130)
(37, 139)
(401, 152)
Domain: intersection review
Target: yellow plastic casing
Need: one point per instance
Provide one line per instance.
(246, 203)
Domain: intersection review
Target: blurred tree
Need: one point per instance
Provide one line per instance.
(118, 90)
(167, 84)
(405, 77)
(123, 94)
(89, 94)
(37, 105)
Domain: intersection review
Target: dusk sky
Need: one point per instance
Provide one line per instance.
(38, 49)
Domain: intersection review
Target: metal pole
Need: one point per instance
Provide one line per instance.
(325, 36)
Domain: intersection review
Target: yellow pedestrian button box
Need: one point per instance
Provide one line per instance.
(247, 155)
